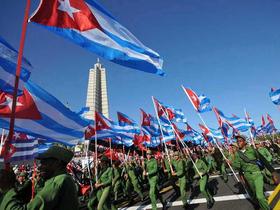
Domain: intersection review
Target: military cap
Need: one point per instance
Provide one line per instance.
(57, 152)
(176, 153)
(149, 152)
(240, 136)
(22, 174)
(104, 158)
(234, 144)
(257, 141)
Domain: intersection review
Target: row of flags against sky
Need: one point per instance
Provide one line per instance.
(89, 25)
(154, 130)
(41, 115)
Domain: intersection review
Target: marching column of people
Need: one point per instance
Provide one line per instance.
(134, 179)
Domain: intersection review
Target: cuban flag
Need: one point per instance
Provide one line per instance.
(41, 115)
(200, 102)
(105, 128)
(167, 113)
(149, 123)
(193, 135)
(122, 141)
(269, 128)
(128, 123)
(8, 64)
(238, 124)
(211, 132)
(153, 142)
(87, 24)
(22, 147)
(274, 95)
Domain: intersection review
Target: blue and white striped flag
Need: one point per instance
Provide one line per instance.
(275, 96)
(8, 63)
(54, 120)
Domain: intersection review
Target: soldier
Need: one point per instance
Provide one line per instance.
(116, 183)
(201, 173)
(171, 179)
(268, 156)
(245, 160)
(59, 191)
(104, 184)
(220, 162)
(180, 172)
(132, 179)
(9, 193)
(152, 173)
(24, 187)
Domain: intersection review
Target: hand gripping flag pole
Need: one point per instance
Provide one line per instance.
(213, 137)
(182, 142)
(165, 147)
(18, 69)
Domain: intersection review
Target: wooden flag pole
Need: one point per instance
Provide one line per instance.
(18, 69)
(212, 136)
(165, 147)
(183, 143)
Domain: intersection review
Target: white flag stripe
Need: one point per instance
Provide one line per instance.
(25, 153)
(98, 36)
(114, 27)
(10, 78)
(23, 145)
(54, 114)
(31, 125)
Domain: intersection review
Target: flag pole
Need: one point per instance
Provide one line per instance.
(165, 147)
(88, 163)
(110, 145)
(212, 136)
(251, 135)
(19, 61)
(96, 156)
(182, 142)
(2, 141)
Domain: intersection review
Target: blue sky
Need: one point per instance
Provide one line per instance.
(227, 49)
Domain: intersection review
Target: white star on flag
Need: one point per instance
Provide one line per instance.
(88, 129)
(66, 7)
(17, 135)
(9, 102)
(99, 124)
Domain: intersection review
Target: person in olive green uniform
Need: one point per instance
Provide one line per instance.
(133, 180)
(104, 185)
(59, 191)
(221, 164)
(151, 171)
(245, 160)
(9, 199)
(180, 172)
(201, 173)
(171, 179)
(116, 183)
(268, 156)
(211, 163)
(24, 187)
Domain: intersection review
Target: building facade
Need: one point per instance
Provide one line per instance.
(97, 97)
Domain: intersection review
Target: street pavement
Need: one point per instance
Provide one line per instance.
(229, 196)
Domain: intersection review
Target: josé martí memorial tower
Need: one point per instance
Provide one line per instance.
(97, 97)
